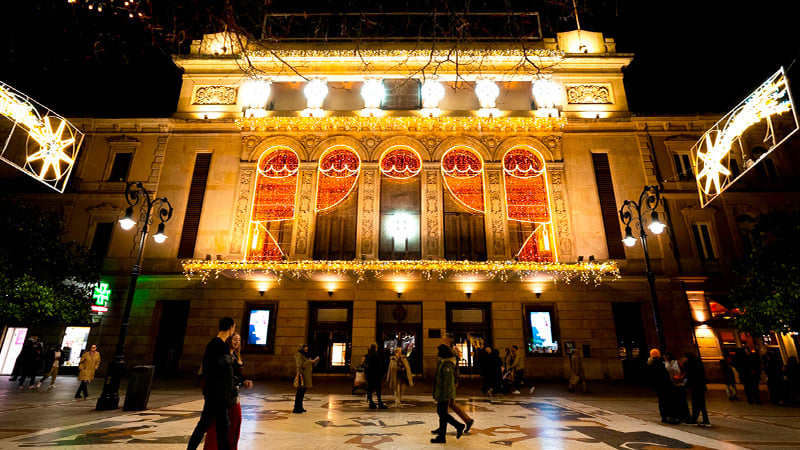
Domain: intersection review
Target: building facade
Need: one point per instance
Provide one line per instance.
(484, 205)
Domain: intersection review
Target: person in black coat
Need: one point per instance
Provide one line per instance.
(373, 370)
(748, 364)
(661, 382)
(696, 383)
(31, 365)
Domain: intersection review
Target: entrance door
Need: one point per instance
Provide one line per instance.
(400, 325)
(171, 331)
(469, 323)
(329, 337)
(631, 339)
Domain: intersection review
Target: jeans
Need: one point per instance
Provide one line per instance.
(374, 386)
(445, 418)
(212, 411)
(298, 399)
(699, 405)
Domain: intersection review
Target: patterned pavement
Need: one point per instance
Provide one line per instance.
(344, 422)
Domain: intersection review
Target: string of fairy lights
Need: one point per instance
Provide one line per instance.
(423, 124)
(130, 8)
(587, 272)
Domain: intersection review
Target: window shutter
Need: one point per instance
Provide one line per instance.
(194, 206)
(608, 206)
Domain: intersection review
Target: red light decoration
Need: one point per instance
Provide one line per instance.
(273, 201)
(462, 170)
(401, 163)
(338, 173)
(527, 201)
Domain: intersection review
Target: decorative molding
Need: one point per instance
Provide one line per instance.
(490, 141)
(241, 213)
(431, 141)
(432, 228)
(368, 198)
(304, 214)
(249, 142)
(310, 141)
(158, 159)
(497, 216)
(370, 142)
(560, 210)
(583, 94)
(646, 155)
(553, 142)
(215, 95)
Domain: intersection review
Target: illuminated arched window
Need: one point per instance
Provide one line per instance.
(464, 226)
(530, 223)
(271, 216)
(401, 204)
(337, 204)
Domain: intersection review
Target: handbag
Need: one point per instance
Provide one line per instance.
(361, 378)
(574, 379)
(299, 381)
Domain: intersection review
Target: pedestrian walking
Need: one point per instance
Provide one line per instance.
(444, 390)
(729, 379)
(661, 383)
(53, 360)
(16, 372)
(750, 375)
(696, 383)
(89, 362)
(30, 365)
(680, 405)
(576, 373)
(518, 370)
(302, 379)
(449, 340)
(217, 387)
(373, 369)
(399, 375)
(235, 409)
(773, 367)
(496, 368)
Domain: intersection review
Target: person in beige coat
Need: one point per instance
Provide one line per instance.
(90, 361)
(399, 375)
(304, 365)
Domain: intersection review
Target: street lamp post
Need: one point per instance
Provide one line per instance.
(630, 210)
(135, 194)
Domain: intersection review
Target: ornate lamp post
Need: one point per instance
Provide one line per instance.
(135, 195)
(630, 210)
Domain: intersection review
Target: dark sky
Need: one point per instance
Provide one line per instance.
(698, 56)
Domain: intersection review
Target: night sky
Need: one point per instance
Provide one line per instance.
(698, 56)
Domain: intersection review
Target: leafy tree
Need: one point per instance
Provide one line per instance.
(42, 278)
(767, 291)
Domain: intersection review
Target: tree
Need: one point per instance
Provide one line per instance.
(767, 291)
(42, 278)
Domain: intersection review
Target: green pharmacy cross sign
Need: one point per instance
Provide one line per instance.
(101, 296)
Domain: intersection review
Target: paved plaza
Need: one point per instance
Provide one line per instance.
(610, 416)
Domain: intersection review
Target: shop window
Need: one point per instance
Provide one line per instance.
(683, 166)
(727, 337)
(401, 205)
(120, 166)
(330, 335)
(541, 330)
(468, 324)
(258, 328)
(74, 342)
(701, 232)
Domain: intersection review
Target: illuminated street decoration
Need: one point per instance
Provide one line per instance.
(400, 163)
(338, 174)
(101, 297)
(587, 272)
(527, 200)
(255, 95)
(755, 116)
(403, 123)
(48, 151)
(462, 170)
(273, 201)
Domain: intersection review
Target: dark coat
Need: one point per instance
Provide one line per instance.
(695, 375)
(373, 366)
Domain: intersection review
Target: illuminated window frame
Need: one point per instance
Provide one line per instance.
(321, 173)
(479, 173)
(399, 147)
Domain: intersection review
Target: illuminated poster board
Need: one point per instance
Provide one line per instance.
(75, 339)
(541, 324)
(743, 137)
(12, 347)
(259, 327)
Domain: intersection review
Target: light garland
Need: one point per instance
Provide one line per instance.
(591, 272)
(400, 163)
(554, 56)
(338, 168)
(462, 171)
(406, 123)
(528, 201)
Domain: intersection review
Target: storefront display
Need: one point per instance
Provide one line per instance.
(75, 340)
(12, 346)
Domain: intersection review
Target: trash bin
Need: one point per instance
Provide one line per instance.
(138, 393)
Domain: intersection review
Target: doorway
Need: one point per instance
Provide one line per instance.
(330, 327)
(631, 342)
(469, 323)
(400, 325)
(172, 317)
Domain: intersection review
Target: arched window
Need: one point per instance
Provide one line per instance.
(337, 204)
(530, 222)
(464, 226)
(401, 204)
(273, 204)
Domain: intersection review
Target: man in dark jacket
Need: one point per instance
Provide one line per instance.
(696, 383)
(373, 370)
(661, 383)
(31, 365)
(218, 387)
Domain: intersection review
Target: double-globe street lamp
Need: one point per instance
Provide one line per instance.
(135, 195)
(638, 212)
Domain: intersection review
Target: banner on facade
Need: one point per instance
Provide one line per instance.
(36, 140)
(744, 137)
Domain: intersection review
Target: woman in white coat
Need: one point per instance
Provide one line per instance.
(399, 375)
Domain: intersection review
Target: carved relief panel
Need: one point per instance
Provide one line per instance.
(432, 246)
(304, 215)
(368, 208)
(496, 230)
(560, 210)
(241, 211)
(215, 95)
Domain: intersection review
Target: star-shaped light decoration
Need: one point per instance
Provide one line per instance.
(713, 168)
(51, 148)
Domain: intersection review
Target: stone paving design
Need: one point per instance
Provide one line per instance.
(344, 422)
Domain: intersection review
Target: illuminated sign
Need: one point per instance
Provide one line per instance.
(48, 145)
(743, 137)
(101, 296)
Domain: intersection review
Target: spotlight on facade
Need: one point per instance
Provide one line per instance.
(432, 93)
(255, 95)
(545, 92)
(330, 293)
(399, 294)
(160, 237)
(373, 93)
(468, 294)
(487, 92)
(127, 222)
(315, 91)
